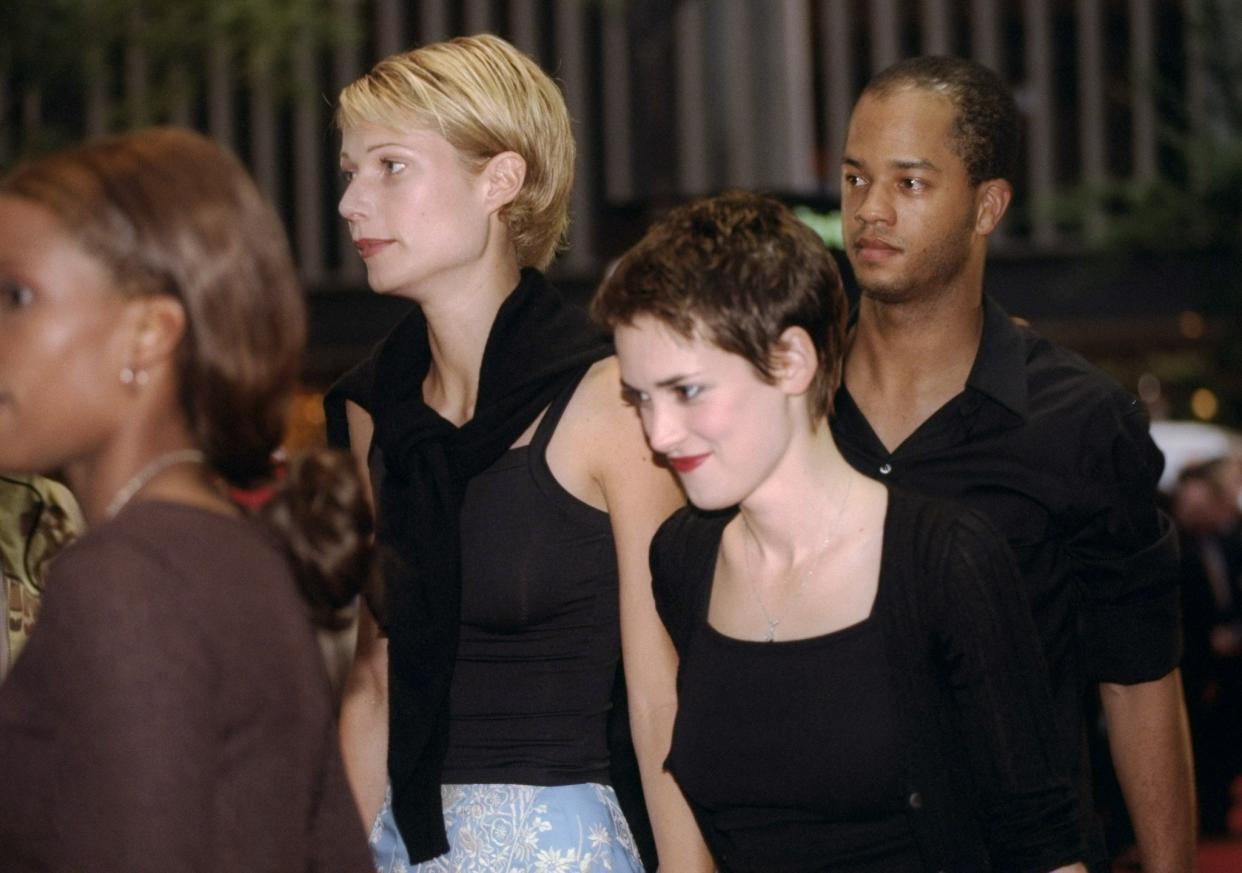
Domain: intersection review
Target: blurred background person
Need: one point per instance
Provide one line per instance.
(38, 518)
(170, 710)
(1205, 507)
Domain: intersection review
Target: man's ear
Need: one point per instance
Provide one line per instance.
(159, 327)
(795, 361)
(991, 203)
(503, 176)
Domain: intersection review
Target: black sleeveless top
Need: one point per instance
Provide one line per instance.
(961, 674)
(540, 632)
(791, 751)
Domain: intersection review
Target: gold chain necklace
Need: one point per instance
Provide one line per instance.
(774, 621)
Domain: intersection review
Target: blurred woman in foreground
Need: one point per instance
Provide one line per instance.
(171, 710)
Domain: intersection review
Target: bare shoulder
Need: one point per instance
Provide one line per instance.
(610, 426)
(599, 389)
(599, 438)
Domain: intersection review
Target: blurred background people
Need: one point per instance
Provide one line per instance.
(38, 518)
(1205, 507)
(170, 710)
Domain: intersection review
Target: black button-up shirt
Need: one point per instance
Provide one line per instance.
(1059, 458)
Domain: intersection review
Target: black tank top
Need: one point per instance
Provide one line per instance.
(540, 635)
(789, 750)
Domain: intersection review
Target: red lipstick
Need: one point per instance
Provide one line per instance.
(368, 247)
(686, 463)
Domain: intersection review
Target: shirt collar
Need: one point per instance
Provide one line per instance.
(999, 371)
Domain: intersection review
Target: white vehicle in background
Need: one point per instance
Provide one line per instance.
(1192, 442)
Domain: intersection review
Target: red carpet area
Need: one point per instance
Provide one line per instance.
(1221, 856)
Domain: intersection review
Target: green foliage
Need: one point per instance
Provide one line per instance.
(1195, 205)
(1170, 216)
(28, 31)
(1219, 25)
(57, 47)
(47, 36)
(1191, 214)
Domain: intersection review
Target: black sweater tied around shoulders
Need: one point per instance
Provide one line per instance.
(538, 344)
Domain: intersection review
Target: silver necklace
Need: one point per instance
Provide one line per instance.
(140, 479)
(774, 621)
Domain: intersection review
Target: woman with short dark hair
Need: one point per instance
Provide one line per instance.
(860, 685)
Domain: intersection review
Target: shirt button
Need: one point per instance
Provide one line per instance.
(885, 469)
(915, 800)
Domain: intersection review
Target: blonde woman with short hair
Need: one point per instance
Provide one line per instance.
(516, 496)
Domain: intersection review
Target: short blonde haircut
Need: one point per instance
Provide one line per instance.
(485, 97)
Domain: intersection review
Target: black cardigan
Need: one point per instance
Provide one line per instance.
(986, 788)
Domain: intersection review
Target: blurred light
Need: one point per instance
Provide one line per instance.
(826, 224)
(1191, 324)
(1149, 387)
(310, 409)
(306, 420)
(1203, 404)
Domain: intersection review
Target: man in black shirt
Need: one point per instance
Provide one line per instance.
(944, 394)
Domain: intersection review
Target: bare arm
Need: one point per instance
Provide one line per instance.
(1150, 743)
(640, 495)
(364, 702)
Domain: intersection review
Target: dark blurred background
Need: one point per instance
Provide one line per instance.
(1124, 243)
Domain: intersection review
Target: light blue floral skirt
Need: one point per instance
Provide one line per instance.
(496, 828)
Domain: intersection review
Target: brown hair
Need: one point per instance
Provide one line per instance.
(321, 508)
(738, 269)
(169, 212)
(485, 97)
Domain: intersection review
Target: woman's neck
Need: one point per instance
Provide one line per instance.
(787, 512)
(459, 323)
(147, 459)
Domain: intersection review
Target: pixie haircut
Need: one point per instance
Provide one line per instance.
(985, 134)
(736, 270)
(169, 212)
(484, 97)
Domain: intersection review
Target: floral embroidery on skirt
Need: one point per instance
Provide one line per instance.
(499, 828)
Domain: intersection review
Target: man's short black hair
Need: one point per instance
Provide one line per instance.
(986, 131)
